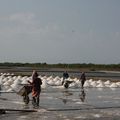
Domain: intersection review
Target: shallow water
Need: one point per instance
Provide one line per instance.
(66, 104)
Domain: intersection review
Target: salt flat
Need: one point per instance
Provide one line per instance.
(66, 104)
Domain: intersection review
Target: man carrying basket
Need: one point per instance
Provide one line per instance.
(36, 88)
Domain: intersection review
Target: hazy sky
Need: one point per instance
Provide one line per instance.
(60, 31)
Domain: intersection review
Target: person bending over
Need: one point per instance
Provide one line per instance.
(65, 76)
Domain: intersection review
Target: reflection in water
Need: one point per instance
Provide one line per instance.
(66, 93)
(64, 100)
(82, 95)
(26, 106)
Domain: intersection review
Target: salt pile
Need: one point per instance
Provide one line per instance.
(15, 82)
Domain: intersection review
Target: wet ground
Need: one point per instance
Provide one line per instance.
(65, 104)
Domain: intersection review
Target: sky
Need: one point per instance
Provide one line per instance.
(60, 31)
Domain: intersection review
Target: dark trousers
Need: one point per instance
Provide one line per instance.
(82, 83)
(36, 100)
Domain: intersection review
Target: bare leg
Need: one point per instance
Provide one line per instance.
(34, 101)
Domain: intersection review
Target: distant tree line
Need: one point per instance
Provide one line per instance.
(89, 66)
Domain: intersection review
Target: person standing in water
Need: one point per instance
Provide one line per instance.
(83, 79)
(36, 88)
(65, 76)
